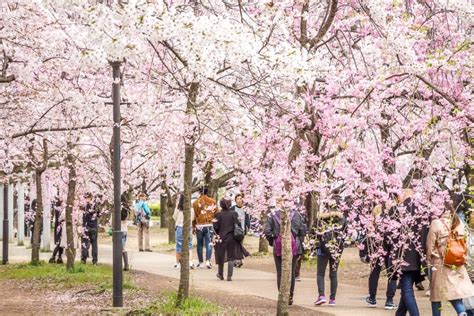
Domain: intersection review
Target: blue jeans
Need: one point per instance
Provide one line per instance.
(179, 239)
(407, 299)
(204, 236)
(457, 305)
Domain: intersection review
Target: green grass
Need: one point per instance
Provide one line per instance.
(166, 306)
(52, 274)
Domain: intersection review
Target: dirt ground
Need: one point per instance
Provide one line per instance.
(27, 298)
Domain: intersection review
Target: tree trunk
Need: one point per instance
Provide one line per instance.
(262, 242)
(163, 212)
(286, 258)
(71, 191)
(35, 247)
(170, 206)
(183, 290)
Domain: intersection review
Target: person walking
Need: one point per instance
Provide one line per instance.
(90, 218)
(274, 238)
(330, 233)
(412, 254)
(59, 217)
(142, 220)
(124, 216)
(380, 214)
(244, 219)
(205, 209)
(178, 217)
(227, 247)
(448, 282)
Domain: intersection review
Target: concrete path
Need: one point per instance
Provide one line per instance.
(350, 299)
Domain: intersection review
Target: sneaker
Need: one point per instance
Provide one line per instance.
(298, 279)
(321, 300)
(59, 261)
(390, 305)
(177, 265)
(148, 250)
(371, 302)
(220, 277)
(332, 302)
(191, 266)
(141, 250)
(52, 260)
(208, 264)
(229, 278)
(290, 301)
(419, 286)
(200, 265)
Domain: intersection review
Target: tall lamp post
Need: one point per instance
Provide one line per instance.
(117, 230)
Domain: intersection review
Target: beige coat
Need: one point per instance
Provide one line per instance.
(447, 283)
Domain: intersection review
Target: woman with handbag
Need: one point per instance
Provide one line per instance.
(142, 220)
(446, 256)
(228, 239)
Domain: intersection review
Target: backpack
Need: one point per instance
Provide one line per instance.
(456, 249)
(277, 245)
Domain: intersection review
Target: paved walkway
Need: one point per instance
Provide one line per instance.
(350, 300)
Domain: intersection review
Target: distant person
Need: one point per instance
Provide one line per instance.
(205, 209)
(124, 216)
(380, 214)
(59, 217)
(244, 219)
(178, 217)
(227, 247)
(449, 282)
(142, 220)
(90, 227)
(274, 237)
(413, 267)
(330, 233)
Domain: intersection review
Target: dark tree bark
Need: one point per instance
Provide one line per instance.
(183, 290)
(286, 258)
(39, 170)
(164, 212)
(262, 241)
(71, 191)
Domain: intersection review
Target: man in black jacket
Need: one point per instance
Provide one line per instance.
(90, 216)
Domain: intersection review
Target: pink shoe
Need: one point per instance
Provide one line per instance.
(321, 300)
(332, 302)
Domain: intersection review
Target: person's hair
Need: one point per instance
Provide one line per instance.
(181, 202)
(204, 190)
(225, 204)
(455, 221)
(142, 196)
(88, 195)
(239, 194)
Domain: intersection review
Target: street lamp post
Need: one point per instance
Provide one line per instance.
(117, 230)
(5, 224)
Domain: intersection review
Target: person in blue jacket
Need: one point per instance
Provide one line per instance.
(142, 220)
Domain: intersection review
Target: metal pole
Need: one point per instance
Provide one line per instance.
(5, 224)
(10, 212)
(117, 230)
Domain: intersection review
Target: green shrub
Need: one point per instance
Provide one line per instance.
(155, 209)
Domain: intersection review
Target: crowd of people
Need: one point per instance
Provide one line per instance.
(436, 251)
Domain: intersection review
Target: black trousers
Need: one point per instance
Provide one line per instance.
(230, 268)
(58, 251)
(293, 272)
(322, 263)
(89, 238)
(374, 282)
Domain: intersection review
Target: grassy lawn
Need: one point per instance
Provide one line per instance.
(166, 305)
(51, 274)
